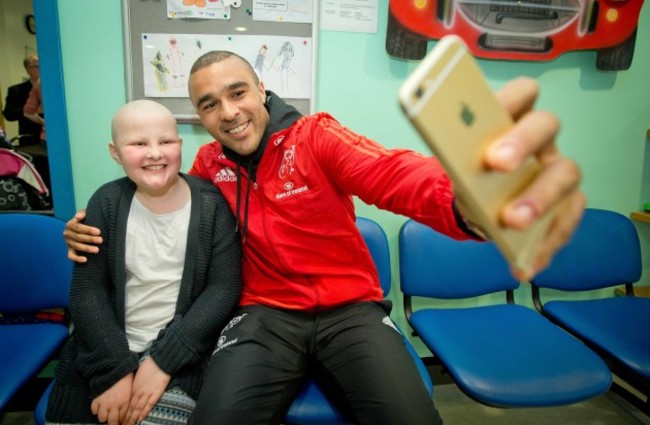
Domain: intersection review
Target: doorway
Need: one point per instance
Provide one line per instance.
(48, 40)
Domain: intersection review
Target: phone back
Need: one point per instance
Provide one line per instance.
(455, 111)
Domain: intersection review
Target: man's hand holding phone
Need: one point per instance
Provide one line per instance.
(508, 175)
(556, 186)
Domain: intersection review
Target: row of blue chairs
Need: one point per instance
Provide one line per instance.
(500, 354)
(509, 355)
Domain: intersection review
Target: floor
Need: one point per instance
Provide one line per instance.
(609, 409)
(17, 418)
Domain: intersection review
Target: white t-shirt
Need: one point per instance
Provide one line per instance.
(155, 254)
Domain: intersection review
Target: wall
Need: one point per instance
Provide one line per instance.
(15, 43)
(604, 115)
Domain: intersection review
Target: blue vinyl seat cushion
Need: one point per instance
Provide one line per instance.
(36, 342)
(481, 347)
(612, 325)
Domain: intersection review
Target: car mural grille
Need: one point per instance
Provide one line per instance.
(512, 16)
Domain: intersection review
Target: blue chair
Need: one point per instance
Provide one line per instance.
(603, 253)
(35, 276)
(312, 407)
(498, 353)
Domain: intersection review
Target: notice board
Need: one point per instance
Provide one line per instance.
(159, 49)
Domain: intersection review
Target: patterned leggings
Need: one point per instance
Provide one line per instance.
(173, 408)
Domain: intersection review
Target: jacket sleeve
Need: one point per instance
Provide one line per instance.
(216, 287)
(399, 180)
(13, 110)
(200, 165)
(103, 352)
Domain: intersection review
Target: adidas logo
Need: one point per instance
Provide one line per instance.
(225, 175)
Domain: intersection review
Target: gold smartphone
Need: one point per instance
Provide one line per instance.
(453, 108)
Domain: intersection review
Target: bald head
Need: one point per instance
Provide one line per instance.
(138, 110)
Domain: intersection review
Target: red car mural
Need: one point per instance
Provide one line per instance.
(531, 30)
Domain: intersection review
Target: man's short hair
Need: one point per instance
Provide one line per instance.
(216, 56)
(30, 60)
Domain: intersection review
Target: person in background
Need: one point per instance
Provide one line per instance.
(311, 300)
(33, 109)
(146, 310)
(4, 143)
(15, 102)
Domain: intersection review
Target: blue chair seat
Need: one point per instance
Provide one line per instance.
(611, 325)
(479, 346)
(36, 342)
(312, 407)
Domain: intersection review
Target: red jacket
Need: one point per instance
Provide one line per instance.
(303, 250)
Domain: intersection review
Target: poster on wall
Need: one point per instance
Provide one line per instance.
(349, 15)
(282, 63)
(197, 9)
(296, 11)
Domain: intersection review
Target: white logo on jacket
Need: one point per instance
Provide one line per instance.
(233, 322)
(225, 175)
(278, 141)
(291, 192)
(221, 344)
(288, 158)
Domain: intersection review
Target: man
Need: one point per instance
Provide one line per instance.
(17, 97)
(311, 300)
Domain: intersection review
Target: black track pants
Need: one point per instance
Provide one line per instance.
(355, 354)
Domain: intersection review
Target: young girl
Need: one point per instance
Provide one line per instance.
(146, 309)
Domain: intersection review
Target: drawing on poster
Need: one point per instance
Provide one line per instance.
(286, 55)
(260, 61)
(197, 9)
(160, 72)
(283, 64)
(175, 57)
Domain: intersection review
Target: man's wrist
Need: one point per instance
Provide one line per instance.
(473, 228)
(467, 225)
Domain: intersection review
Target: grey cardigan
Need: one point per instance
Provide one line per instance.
(97, 354)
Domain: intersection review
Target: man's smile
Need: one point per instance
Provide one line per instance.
(238, 129)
